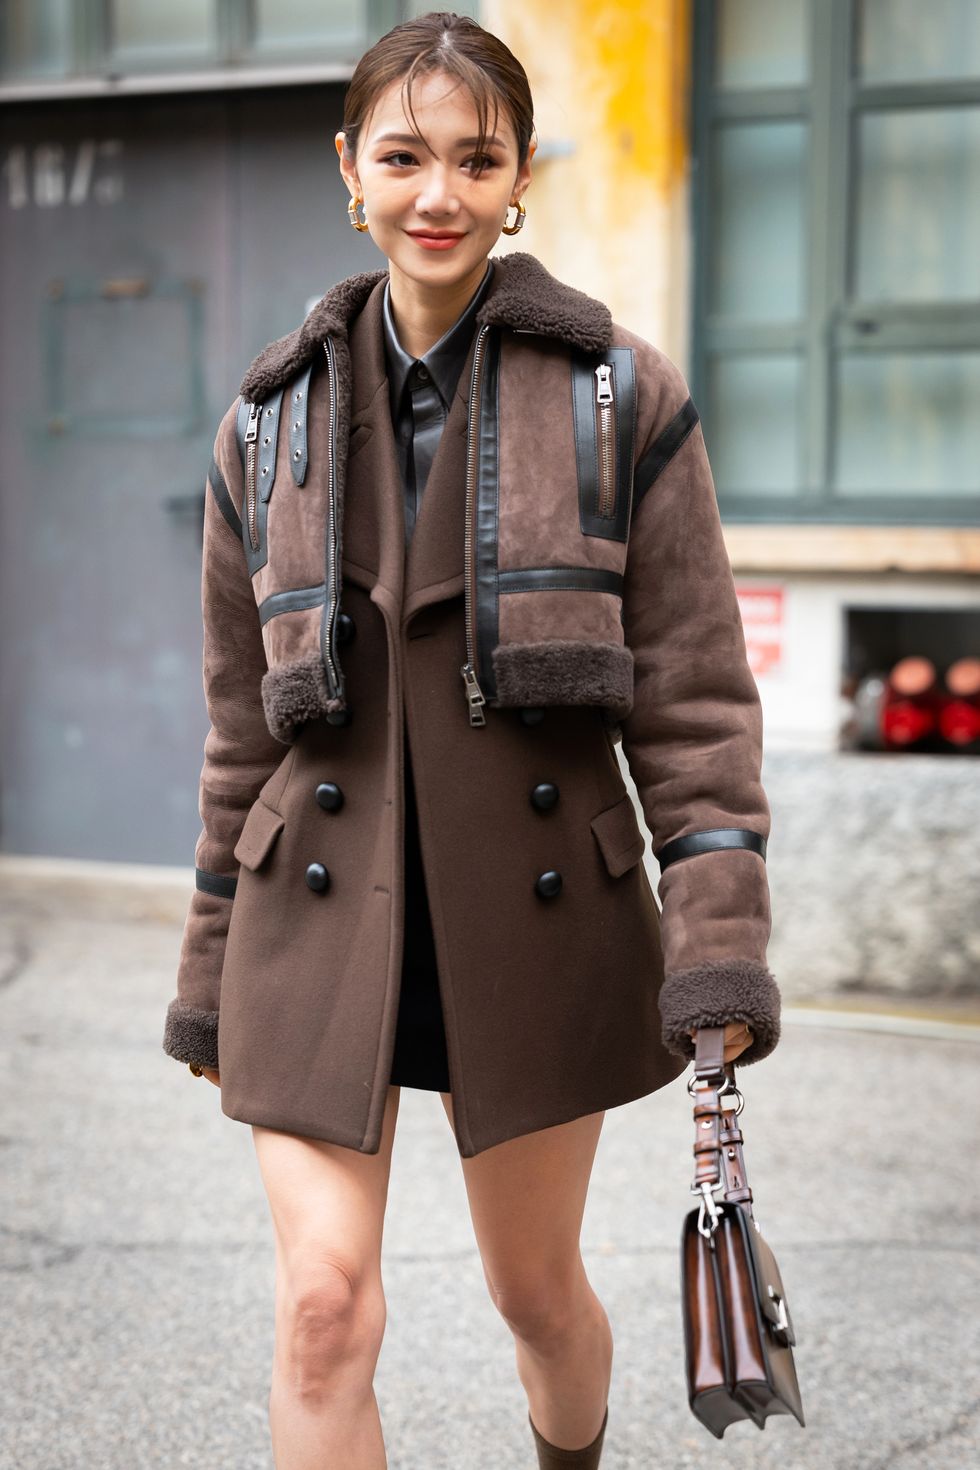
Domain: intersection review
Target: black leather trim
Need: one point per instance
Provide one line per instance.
(265, 470)
(713, 839)
(585, 421)
(214, 883)
(560, 579)
(223, 497)
(486, 612)
(297, 401)
(663, 449)
(298, 599)
(255, 560)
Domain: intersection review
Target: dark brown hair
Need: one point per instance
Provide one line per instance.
(442, 41)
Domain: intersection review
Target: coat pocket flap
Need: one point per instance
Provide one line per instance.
(262, 827)
(618, 834)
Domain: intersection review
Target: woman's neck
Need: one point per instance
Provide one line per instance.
(424, 313)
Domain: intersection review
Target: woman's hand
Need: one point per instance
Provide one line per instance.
(738, 1036)
(212, 1074)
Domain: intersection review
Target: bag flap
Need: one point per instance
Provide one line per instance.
(262, 827)
(772, 1302)
(618, 834)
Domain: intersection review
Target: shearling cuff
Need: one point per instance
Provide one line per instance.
(565, 671)
(294, 693)
(191, 1035)
(714, 993)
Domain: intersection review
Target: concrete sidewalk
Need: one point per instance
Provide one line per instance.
(138, 1261)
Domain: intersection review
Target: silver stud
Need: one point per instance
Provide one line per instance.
(297, 424)
(267, 439)
(297, 454)
(299, 396)
(265, 470)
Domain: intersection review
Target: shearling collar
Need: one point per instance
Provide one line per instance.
(523, 294)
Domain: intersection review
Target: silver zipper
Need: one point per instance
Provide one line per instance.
(329, 620)
(251, 434)
(604, 403)
(475, 698)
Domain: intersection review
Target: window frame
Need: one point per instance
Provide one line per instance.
(832, 105)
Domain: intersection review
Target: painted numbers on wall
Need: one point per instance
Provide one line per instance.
(50, 175)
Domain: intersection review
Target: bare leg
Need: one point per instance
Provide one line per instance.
(328, 1204)
(527, 1198)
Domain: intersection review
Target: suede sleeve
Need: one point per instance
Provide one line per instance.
(693, 739)
(239, 755)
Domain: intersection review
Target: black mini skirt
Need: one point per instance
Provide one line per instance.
(420, 1057)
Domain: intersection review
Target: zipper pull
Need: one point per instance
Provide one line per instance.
(603, 374)
(252, 430)
(475, 697)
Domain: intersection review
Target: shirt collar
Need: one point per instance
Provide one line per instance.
(444, 358)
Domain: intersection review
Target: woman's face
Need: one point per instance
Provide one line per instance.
(408, 190)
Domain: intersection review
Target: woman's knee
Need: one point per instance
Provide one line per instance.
(330, 1321)
(541, 1303)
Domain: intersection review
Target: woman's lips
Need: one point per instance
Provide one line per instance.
(436, 242)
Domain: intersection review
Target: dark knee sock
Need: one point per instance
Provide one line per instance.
(551, 1457)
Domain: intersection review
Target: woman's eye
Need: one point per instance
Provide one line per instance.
(484, 161)
(392, 156)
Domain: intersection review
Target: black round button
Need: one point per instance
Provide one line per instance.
(532, 715)
(544, 795)
(317, 878)
(548, 884)
(330, 796)
(346, 627)
(423, 372)
(340, 716)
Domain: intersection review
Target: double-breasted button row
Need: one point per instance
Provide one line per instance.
(330, 797)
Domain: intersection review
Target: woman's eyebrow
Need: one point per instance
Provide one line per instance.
(414, 138)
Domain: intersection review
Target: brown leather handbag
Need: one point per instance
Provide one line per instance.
(738, 1333)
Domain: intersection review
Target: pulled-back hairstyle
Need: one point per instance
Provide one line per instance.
(442, 41)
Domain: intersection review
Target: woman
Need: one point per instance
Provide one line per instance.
(460, 536)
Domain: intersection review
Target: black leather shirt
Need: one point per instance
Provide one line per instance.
(421, 391)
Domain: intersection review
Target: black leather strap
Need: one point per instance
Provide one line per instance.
(224, 501)
(214, 883)
(297, 600)
(487, 612)
(713, 839)
(663, 449)
(560, 579)
(268, 439)
(584, 410)
(297, 401)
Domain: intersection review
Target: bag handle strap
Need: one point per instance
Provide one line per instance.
(718, 1138)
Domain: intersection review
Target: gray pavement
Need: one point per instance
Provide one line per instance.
(137, 1258)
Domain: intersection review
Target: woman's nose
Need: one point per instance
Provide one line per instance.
(436, 195)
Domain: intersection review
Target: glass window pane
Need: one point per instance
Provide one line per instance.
(36, 37)
(761, 43)
(751, 424)
(758, 250)
(908, 41)
(334, 24)
(907, 424)
(145, 30)
(918, 208)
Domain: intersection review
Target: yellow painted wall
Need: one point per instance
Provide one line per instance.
(612, 77)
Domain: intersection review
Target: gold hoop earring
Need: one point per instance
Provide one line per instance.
(352, 212)
(519, 222)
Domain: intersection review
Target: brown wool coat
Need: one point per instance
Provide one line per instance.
(595, 598)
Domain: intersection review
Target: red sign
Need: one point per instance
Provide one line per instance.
(762, 610)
